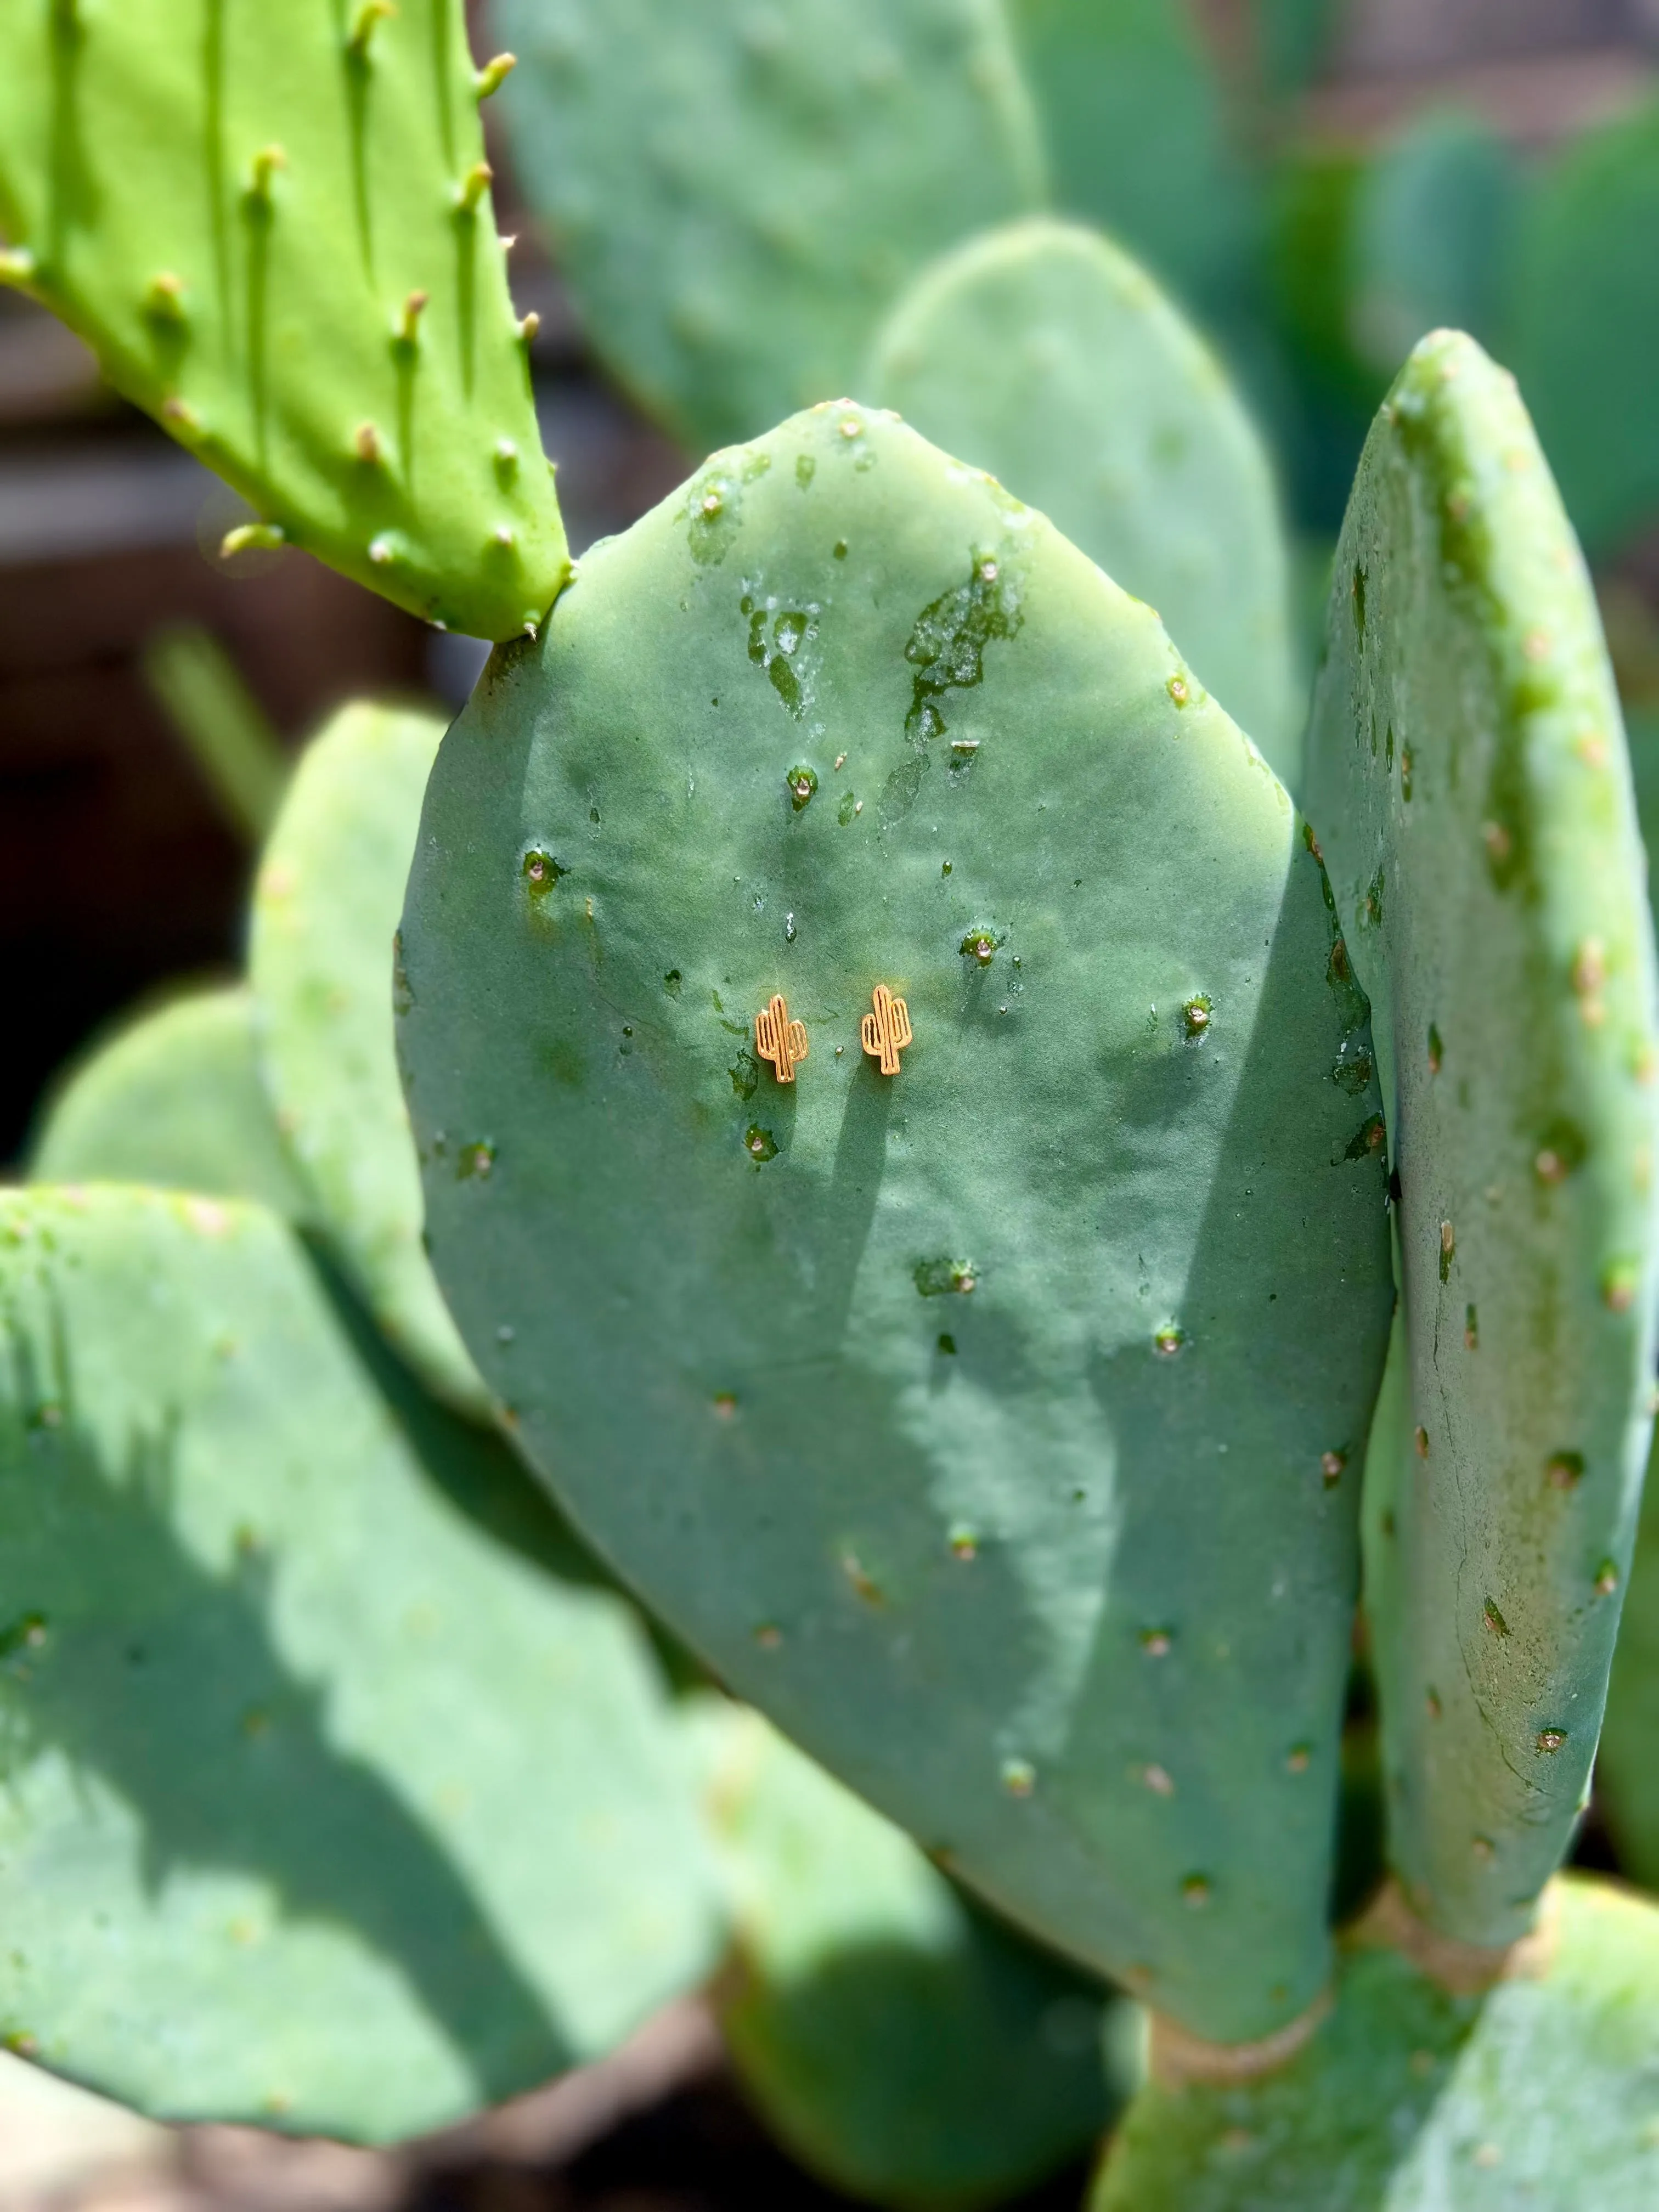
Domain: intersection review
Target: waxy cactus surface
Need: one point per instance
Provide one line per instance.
(320, 957)
(1468, 775)
(313, 1712)
(901, 2042)
(921, 1406)
(1043, 353)
(731, 258)
(174, 1098)
(274, 224)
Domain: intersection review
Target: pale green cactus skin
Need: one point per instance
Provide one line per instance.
(1466, 775)
(173, 1098)
(737, 194)
(238, 207)
(900, 2040)
(922, 1409)
(1539, 2093)
(320, 958)
(312, 1711)
(1044, 354)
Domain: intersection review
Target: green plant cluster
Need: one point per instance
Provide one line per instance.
(1258, 1237)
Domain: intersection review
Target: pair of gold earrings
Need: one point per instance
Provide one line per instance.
(781, 1041)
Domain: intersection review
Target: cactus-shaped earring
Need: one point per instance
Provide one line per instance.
(779, 1039)
(886, 1032)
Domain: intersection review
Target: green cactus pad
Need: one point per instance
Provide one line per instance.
(1041, 353)
(1626, 1771)
(1467, 774)
(1131, 113)
(736, 194)
(1586, 325)
(921, 1406)
(903, 2043)
(340, 1794)
(1539, 2093)
(321, 958)
(174, 1098)
(271, 225)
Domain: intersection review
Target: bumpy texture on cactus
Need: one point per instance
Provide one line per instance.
(1539, 2093)
(988, 1424)
(1586, 326)
(736, 194)
(1131, 113)
(340, 1795)
(1044, 353)
(274, 225)
(1627, 1772)
(901, 2042)
(325, 914)
(1466, 773)
(174, 1098)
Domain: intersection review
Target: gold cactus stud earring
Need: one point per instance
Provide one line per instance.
(779, 1040)
(887, 1030)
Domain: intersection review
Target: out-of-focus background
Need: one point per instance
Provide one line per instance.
(122, 862)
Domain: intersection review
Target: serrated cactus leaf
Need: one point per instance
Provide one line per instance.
(341, 1794)
(173, 1098)
(1131, 113)
(736, 194)
(1585, 319)
(1408, 2099)
(918, 1404)
(1626, 1770)
(907, 2046)
(321, 958)
(1466, 775)
(1044, 353)
(272, 225)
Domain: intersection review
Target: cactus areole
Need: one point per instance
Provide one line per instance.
(1099, 1286)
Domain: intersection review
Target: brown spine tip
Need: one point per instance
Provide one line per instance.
(414, 308)
(367, 443)
(473, 186)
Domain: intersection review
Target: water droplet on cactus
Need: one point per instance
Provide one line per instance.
(1331, 1465)
(979, 945)
(789, 929)
(1018, 1777)
(506, 1332)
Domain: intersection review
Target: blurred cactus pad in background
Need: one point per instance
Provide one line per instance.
(1049, 1526)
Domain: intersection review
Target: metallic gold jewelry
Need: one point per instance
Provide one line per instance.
(779, 1040)
(887, 1031)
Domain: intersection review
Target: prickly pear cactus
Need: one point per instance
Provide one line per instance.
(1044, 353)
(736, 193)
(920, 1404)
(1626, 1779)
(274, 227)
(1537, 2092)
(312, 1712)
(174, 1098)
(1466, 775)
(903, 2043)
(1131, 113)
(1585, 318)
(321, 958)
